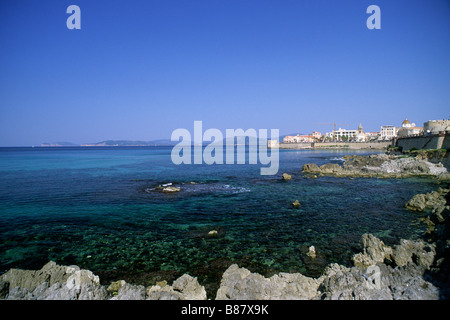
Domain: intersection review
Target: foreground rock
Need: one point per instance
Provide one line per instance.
(55, 282)
(379, 272)
(52, 282)
(381, 166)
(410, 270)
(436, 201)
(240, 284)
(404, 281)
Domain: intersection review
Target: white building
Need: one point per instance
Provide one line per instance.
(342, 134)
(409, 129)
(317, 135)
(388, 132)
(302, 138)
(348, 135)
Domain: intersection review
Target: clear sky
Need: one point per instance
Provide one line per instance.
(137, 70)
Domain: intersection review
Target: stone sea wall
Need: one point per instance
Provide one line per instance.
(435, 141)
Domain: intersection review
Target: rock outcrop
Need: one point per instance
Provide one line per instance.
(240, 284)
(286, 177)
(374, 251)
(381, 166)
(410, 270)
(402, 278)
(296, 204)
(337, 283)
(435, 201)
(55, 282)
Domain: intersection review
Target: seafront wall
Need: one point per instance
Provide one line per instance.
(435, 141)
(336, 145)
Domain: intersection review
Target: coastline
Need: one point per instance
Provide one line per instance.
(336, 145)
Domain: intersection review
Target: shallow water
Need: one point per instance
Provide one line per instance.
(98, 208)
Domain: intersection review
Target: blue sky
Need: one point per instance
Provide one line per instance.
(138, 70)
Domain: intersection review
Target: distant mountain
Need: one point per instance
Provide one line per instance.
(130, 143)
(113, 143)
(58, 144)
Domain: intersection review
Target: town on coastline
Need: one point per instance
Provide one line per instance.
(389, 135)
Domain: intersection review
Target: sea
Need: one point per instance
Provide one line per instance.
(102, 208)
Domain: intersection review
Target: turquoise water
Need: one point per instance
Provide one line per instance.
(97, 208)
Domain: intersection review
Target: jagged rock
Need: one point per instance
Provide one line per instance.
(407, 283)
(163, 293)
(311, 252)
(189, 288)
(296, 204)
(416, 289)
(80, 277)
(400, 283)
(184, 288)
(93, 292)
(417, 203)
(171, 189)
(240, 284)
(30, 279)
(130, 292)
(420, 253)
(435, 201)
(310, 167)
(115, 286)
(341, 283)
(286, 176)
(374, 251)
(381, 166)
(330, 168)
(53, 282)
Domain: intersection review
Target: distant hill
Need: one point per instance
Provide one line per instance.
(58, 144)
(113, 143)
(128, 143)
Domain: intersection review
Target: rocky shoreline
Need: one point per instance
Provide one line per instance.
(404, 273)
(410, 270)
(381, 166)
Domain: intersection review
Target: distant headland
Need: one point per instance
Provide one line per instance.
(113, 143)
